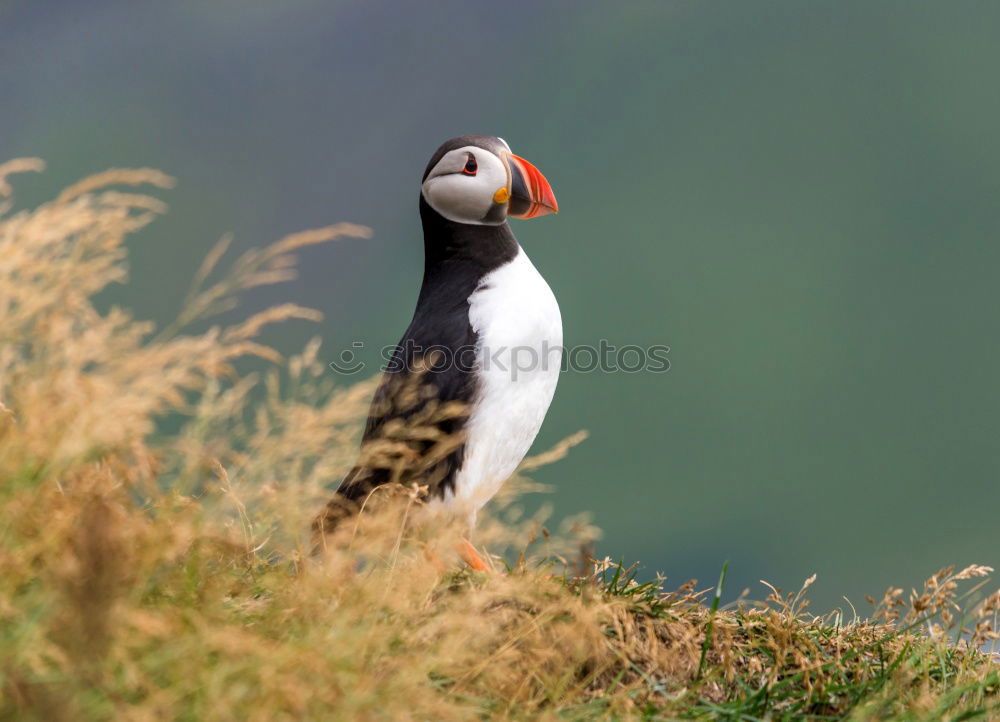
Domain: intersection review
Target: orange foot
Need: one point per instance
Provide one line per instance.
(471, 557)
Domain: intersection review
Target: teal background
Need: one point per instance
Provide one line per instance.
(799, 198)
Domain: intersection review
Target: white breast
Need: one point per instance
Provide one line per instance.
(519, 353)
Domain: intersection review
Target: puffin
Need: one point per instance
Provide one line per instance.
(465, 390)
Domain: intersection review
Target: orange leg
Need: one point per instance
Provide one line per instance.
(471, 557)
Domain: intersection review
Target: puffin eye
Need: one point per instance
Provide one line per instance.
(470, 165)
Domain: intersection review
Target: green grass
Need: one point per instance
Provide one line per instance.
(150, 575)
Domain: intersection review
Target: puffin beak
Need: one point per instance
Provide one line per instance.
(530, 194)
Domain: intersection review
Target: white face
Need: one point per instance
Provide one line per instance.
(462, 186)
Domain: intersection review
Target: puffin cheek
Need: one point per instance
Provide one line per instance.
(458, 198)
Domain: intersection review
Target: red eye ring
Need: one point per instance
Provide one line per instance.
(471, 167)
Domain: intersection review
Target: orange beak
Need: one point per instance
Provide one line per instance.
(530, 194)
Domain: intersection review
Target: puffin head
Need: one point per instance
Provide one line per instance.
(476, 180)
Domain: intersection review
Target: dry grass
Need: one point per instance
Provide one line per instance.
(154, 576)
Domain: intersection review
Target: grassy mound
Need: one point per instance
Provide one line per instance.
(168, 576)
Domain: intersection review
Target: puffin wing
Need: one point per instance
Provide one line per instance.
(415, 427)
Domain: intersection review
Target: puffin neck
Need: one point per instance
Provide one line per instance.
(455, 246)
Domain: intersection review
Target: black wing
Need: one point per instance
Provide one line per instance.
(416, 424)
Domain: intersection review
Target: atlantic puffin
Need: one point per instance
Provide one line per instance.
(468, 385)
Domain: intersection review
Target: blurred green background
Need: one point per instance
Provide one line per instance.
(799, 198)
